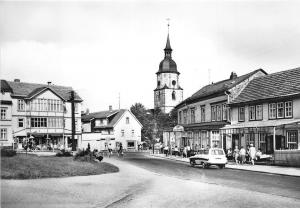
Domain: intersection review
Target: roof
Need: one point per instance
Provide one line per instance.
(5, 86)
(27, 90)
(257, 124)
(276, 85)
(112, 116)
(218, 88)
(168, 45)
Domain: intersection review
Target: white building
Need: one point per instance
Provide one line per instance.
(168, 92)
(103, 128)
(42, 113)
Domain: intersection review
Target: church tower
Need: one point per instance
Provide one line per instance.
(168, 92)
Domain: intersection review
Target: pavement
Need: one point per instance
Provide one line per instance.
(132, 187)
(271, 169)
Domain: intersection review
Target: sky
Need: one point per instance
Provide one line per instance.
(104, 49)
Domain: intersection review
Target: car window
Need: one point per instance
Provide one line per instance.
(217, 152)
(204, 152)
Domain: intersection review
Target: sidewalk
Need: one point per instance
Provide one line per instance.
(278, 170)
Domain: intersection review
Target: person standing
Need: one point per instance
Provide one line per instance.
(166, 150)
(236, 152)
(176, 151)
(120, 152)
(242, 155)
(252, 153)
(109, 150)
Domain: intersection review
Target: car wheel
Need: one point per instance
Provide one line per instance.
(192, 163)
(222, 166)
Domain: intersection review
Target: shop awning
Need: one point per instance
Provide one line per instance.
(258, 124)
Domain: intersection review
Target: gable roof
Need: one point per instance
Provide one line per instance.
(218, 88)
(276, 85)
(99, 114)
(27, 90)
(4, 86)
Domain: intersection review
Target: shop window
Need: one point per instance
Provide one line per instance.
(272, 110)
(280, 110)
(288, 109)
(130, 144)
(21, 122)
(292, 139)
(251, 113)
(241, 113)
(259, 112)
(215, 137)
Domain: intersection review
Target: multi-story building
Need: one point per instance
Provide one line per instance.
(168, 92)
(206, 111)
(6, 132)
(267, 114)
(110, 128)
(42, 114)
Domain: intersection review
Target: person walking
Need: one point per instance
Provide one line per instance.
(252, 153)
(236, 152)
(176, 151)
(166, 150)
(109, 150)
(242, 155)
(120, 152)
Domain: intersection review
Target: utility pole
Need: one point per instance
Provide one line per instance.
(73, 120)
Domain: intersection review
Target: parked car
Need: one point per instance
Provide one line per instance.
(208, 157)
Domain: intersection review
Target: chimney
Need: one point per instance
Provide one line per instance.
(49, 83)
(110, 108)
(17, 80)
(233, 75)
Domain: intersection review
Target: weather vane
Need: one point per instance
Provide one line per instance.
(168, 19)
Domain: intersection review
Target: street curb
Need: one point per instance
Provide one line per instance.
(265, 172)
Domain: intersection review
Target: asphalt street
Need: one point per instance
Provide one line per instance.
(285, 186)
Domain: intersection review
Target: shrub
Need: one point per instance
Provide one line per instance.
(64, 153)
(8, 153)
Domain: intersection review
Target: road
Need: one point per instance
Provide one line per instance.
(149, 182)
(285, 186)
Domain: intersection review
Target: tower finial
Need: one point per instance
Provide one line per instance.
(168, 20)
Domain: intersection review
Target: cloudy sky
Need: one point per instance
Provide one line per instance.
(103, 48)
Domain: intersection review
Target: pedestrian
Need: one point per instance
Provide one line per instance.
(184, 151)
(188, 151)
(236, 154)
(109, 150)
(166, 150)
(252, 153)
(229, 154)
(120, 152)
(242, 155)
(176, 151)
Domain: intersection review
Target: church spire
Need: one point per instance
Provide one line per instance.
(168, 49)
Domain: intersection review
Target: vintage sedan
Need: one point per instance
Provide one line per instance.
(208, 157)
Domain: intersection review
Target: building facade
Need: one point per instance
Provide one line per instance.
(267, 115)
(168, 92)
(203, 114)
(41, 113)
(111, 128)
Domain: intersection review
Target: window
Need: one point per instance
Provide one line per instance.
(3, 113)
(241, 113)
(173, 95)
(259, 112)
(184, 116)
(76, 107)
(219, 112)
(272, 110)
(224, 111)
(127, 120)
(292, 139)
(130, 144)
(202, 113)
(251, 113)
(21, 122)
(158, 83)
(215, 137)
(122, 133)
(213, 113)
(132, 132)
(288, 109)
(21, 105)
(180, 117)
(174, 83)
(3, 134)
(38, 122)
(192, 115)
(97, 122)
(280, 110)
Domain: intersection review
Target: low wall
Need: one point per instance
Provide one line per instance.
(287, 157)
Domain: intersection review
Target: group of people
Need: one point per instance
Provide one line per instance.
(242, 155)
(185, 151)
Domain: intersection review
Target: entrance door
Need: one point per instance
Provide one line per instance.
(235, 141)
(269, 145)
